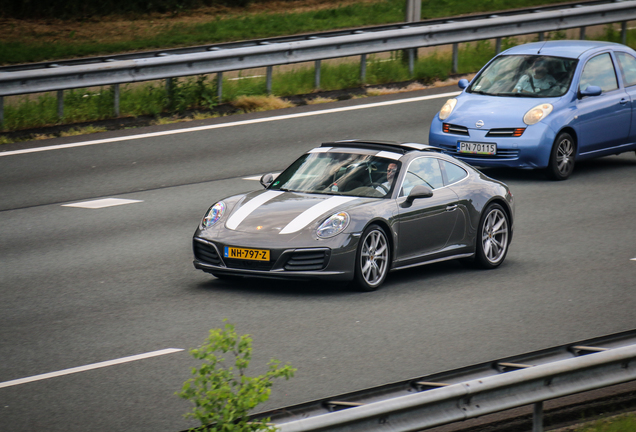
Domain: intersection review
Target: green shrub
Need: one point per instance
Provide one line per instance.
(224, 395)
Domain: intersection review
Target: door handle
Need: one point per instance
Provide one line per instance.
(623, 101)
(451, 207)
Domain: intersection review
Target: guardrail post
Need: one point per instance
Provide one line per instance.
(363, 68)
(537, 417)
(1, 112)
(317, 74)
(497, 46)
(60, 103)
(219, 86)
(116, 99)
(269, 79)
(541, 37)
(455, 57)
(413, 10)
(169, 88)
(624, 32)
(411, 61)
(582, 33)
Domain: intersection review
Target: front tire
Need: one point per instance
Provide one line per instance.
(373, 259)
(561, 162)
(493, 237)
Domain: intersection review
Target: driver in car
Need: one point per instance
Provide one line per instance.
(390, 175)
(536, 80)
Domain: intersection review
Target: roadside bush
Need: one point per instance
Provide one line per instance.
(223, 395)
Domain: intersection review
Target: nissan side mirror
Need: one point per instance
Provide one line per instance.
(463, 83)
(419, 191)
(590, 91)
(267, 180)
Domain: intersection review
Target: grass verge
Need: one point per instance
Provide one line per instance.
(620, 423)
(198, 95)
(25, 41)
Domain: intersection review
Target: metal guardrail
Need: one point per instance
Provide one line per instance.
(275, 52)
(470, 392)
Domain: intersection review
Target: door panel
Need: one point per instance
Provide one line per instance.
(425, 224)
(603, 121)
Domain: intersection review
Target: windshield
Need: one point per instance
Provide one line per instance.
(525, 76)
(339, 174)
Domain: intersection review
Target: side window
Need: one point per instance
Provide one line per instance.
(599, 71)
(454, 173)
(627, 64)
(426, 171)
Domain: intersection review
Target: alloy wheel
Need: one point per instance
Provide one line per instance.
(565, 156)
(494, 236)
(374, 257)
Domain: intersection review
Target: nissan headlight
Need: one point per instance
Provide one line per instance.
(213, 215)
(538, 113)
(447, 109)
(334, 225)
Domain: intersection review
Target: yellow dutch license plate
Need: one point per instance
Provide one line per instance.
(246, 254)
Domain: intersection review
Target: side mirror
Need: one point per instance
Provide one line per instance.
(590, 91)
(463, 83)
(266, 180)
(419, 191)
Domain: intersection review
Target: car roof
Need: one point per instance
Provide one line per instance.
(562, 48)
(393, 146)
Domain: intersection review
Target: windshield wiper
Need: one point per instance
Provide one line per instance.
(531, 95)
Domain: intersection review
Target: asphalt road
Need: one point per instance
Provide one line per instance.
(82, 286)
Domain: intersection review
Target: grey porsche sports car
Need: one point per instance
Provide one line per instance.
(355, 210)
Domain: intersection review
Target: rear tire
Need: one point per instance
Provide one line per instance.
(561, 162)
(493, 237)
(373, 259)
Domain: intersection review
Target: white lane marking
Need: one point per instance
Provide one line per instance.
(101, 203)
(89, 367)
(249, 207)
(305, 218)
(225, 125)
(633, 259)
(259, 177)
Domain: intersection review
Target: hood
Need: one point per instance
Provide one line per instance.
(272, 211)
(494, 111)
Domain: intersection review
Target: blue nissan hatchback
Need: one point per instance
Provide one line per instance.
(543, 105)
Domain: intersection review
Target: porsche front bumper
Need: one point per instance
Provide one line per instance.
(321, 263)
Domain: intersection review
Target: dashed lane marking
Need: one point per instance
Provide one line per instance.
(89, 367)
(101, 203)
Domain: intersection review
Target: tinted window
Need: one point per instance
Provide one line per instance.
(422, 171)
(454, 173)
(599, 71)
(627, 64)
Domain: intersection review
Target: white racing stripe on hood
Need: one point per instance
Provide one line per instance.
(240, 215)
(306, 217)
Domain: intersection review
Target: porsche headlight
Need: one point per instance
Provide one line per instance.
(334, 224)
(213, 215)
(447, 109)
(538, 113)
